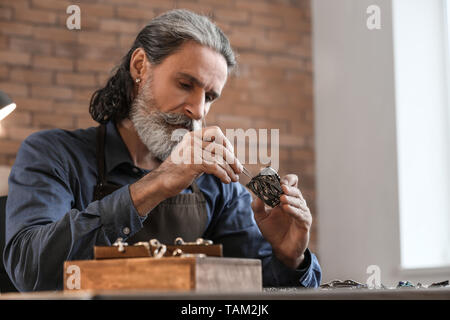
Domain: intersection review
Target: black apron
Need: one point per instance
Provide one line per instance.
(183, 215)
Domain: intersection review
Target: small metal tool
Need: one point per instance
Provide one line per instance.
(246, 172)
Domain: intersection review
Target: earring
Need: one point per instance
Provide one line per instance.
(138, 80)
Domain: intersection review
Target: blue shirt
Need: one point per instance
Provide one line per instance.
(51, 216)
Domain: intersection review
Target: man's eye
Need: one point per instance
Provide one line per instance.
(186, 86)
(209, 98)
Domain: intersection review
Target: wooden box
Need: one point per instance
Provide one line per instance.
(194, 273)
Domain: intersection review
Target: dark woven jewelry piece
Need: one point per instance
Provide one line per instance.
(266, 186)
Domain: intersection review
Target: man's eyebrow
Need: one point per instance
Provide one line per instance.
(197, 82)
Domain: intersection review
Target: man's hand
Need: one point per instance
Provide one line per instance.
(286, 227)
(201, 151)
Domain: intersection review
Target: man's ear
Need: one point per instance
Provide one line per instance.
(139, 65)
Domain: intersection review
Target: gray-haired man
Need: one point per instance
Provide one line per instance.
(71, 190)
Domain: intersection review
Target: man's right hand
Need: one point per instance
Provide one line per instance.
(201, 151)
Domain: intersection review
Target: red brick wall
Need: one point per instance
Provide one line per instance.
(51, 71)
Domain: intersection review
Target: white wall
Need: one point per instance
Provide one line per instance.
(356, 144)
(355, 141)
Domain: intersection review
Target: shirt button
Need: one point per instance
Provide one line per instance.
(126, 231)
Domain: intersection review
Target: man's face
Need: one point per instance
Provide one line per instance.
(177, 93)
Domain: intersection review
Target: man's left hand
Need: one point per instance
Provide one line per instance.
(286, 227)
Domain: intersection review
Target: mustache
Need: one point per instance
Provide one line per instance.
(177, 119)
(145, 98)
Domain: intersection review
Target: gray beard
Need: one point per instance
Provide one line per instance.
(158, 131)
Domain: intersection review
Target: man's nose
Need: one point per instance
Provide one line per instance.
(195, 106)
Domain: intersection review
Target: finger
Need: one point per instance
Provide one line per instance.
(214, 140)
(291, 191)
(214, 133)
(304, 218)
(295, 193)
(214, 168)
(214, 159)
(224, 154)
(299, 203)
(293, 201)
(290, 180)
(292, 211)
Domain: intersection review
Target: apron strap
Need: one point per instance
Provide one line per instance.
(195, 188)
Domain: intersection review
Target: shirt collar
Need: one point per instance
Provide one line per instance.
(116, 151)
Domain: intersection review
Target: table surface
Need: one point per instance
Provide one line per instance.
(267, 294)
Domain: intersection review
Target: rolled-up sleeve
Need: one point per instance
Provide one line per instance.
(43, 229)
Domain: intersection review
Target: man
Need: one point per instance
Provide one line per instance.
(72, 190)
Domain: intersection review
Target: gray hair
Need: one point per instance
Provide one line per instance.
(160, 38)
(165, 33)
